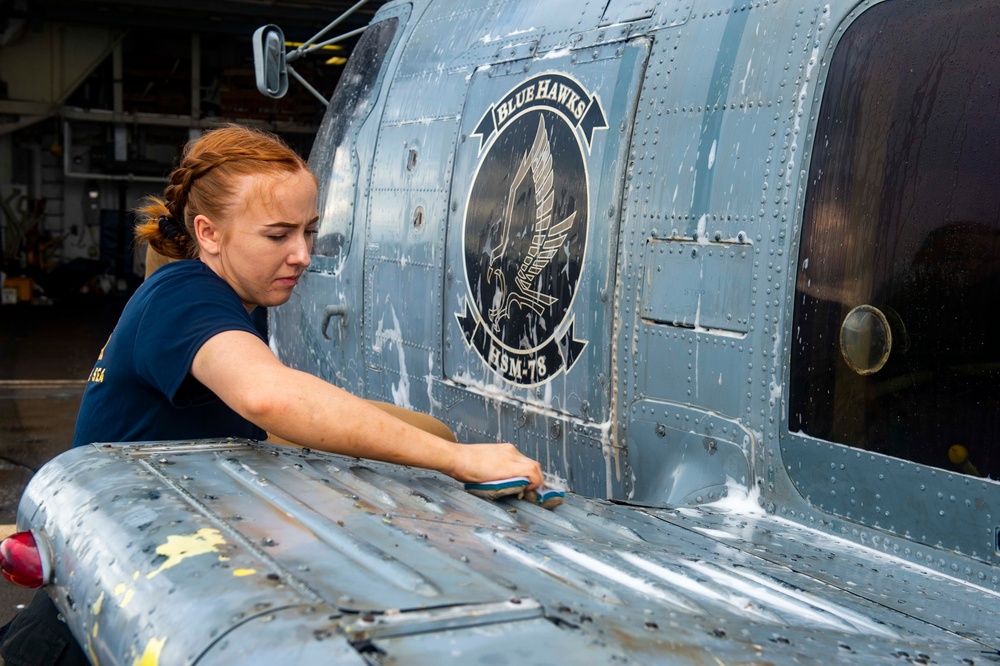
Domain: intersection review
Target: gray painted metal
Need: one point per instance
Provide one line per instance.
(220, 551)
(700, 528)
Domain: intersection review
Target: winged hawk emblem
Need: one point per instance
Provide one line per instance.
(546, 238)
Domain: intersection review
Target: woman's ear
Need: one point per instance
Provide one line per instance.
(208, 234)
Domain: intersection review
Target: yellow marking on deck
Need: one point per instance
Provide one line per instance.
(180, 547)
(244, 572)
(95, 608)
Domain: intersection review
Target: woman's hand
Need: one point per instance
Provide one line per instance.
(491, 462)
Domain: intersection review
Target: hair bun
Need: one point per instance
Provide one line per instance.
(171, 228)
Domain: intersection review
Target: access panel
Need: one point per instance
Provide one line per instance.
(532, 238)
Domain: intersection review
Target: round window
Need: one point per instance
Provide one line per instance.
(865, 339)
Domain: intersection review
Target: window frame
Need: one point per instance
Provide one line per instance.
(322, 163)
(884, 502)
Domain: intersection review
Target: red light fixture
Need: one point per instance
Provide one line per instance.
(25, 560)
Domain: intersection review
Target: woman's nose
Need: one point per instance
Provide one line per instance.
(300, 254)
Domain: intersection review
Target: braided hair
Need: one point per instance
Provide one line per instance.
(204, 183)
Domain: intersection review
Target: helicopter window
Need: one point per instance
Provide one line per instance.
(334, 160)
(894, 337)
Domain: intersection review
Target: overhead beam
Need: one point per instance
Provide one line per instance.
(217, 17)
(166, 120)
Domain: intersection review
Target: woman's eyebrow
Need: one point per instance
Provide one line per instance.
(289, 225)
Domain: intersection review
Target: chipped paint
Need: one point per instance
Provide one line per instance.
(95, 608)
(125, 591)
(90, 647)
(151, 654)
(180, 547)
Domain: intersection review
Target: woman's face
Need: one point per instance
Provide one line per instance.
(262, 246)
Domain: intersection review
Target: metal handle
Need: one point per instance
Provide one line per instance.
(339, 310)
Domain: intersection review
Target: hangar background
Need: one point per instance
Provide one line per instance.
(96, 99)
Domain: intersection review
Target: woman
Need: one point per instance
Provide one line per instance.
(185, 360)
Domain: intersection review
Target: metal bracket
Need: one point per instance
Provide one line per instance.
(339, 310)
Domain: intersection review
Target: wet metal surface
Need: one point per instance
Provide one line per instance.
(358, 556)
(702, 525)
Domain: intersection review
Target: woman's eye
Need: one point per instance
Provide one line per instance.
(278, 237)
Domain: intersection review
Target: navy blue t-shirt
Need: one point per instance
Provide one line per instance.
(141, 388)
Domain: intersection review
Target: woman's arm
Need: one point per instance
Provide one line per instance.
(239, 368)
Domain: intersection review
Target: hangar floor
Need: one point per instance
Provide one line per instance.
(46, 353)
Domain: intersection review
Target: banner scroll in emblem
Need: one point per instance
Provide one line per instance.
(554, 91)
(534, 366)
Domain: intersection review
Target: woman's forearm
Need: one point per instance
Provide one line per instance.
(308, 411)
(304, 409)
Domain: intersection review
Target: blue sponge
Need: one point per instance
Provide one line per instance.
(499, 488)
(548, 498)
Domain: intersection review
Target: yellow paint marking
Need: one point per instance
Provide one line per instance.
(244, 572)
(179, 547)
(151, 655)
(90, 648)
(95, 608)
(125, 592)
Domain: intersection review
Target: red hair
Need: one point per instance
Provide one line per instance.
(204, 183)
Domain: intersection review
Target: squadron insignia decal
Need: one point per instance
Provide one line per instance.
(525, 228)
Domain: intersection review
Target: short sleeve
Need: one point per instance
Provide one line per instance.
(181, 314)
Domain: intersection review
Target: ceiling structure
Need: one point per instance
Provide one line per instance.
(120, 85)
(105, 92)
(166, 63)
(299, 18)
(160, 62)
